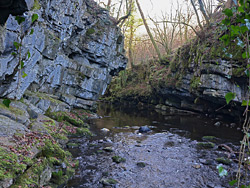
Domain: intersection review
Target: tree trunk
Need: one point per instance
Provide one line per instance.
(197, 15)
(130, 45)
(203, 11)
(148, 31)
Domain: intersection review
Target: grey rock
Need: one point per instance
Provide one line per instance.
(10, 127)
(217, 124)
(144, 129)
(66, 60)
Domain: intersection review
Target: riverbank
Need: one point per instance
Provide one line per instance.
(33, 141)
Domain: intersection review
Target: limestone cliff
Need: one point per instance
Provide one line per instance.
(75, 50)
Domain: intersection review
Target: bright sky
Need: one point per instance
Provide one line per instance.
(156, 8)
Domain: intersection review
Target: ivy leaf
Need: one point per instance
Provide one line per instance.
(13, 53)
(245, 55)
(233, 182)
(241, 9)
(19, 19)
(34, 17)
(17, 45)
(244, 103)
(228, 12)
(225, 39)
(22, 64)
(222, 171)
(226, 21)
(24, 74)
(31, 31)
(7, 102)
(229, 96)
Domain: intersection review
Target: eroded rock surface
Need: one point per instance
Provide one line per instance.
(75, 49)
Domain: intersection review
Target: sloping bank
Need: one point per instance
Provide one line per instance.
(68, 61)
(196, 77)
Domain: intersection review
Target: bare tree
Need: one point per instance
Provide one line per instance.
(148, 30)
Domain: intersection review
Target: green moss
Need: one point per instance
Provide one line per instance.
(209, 138)
(53, 150)
(118, 159)
(36, 5)
(31, 177)
(195, 82)
(12, 109)
(57, 177)
(224, 161)
(108, 181)
(90, 31)
(83, 131)
(206, 145)
(10, 165)
(238, 72)
(73, 145)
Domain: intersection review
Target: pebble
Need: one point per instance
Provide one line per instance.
(105, 130)
(217, 124)
(144, 129)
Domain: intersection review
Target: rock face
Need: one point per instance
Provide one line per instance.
(203, 88)
(74, 51)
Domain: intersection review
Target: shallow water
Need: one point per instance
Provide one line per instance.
(169, 153)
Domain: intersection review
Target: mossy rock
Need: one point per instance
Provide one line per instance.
(53, 150)
(223, 160)
(118, 159)
(32, 177)
(36, 5)
(83, 131)
(10, 166)
(108, 181)
(72, 145)
(90, 31)
(209, 138)
(206, 145)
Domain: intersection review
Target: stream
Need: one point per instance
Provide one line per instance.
(166, 157)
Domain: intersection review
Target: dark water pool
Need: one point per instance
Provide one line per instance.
(168, 155)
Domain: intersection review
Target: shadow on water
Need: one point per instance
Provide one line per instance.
(169, 151)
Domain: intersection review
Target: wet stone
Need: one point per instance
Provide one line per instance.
(108, 149)
(141, 164)
(144, 129)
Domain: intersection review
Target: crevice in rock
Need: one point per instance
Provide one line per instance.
(8, 7)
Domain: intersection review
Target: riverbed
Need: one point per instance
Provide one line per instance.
(166, 157)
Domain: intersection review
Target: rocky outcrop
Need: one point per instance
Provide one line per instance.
(203, 87)
(74, 51)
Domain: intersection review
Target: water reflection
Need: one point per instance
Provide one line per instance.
(196, 125)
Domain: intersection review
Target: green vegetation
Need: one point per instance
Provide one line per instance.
(224, 161)
(206, 145)
(10, 165)
(118, 159)
(36, 5)
(90, 31)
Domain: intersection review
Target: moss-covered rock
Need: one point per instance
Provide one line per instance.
(205, 145)
(118, 159)
(209, 138)
(223, 160)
